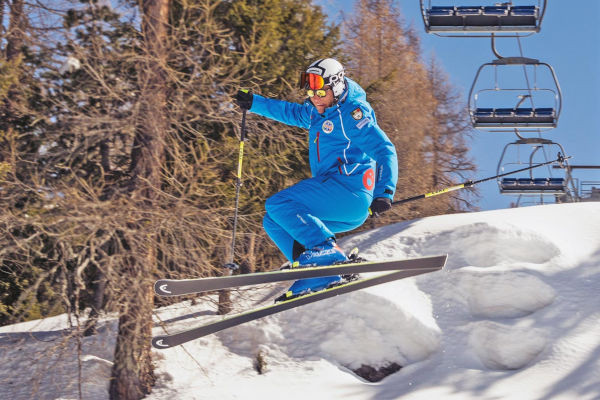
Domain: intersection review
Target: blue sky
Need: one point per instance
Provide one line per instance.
(569, 41)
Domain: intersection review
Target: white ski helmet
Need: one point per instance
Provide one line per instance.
(331, 71)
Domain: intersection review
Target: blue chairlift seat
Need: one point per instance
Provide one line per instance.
(524, 16)
(441, 11)
(524, 112)
(468, 10)
(443, 16)
(498, 11)
(504, 112)
(544, 115)
(524, 11)
(558, 184)
(509, 182)
(484, 112)
(524, 182)
(544, 112)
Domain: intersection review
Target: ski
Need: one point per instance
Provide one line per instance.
(167, 341)
(178, 287)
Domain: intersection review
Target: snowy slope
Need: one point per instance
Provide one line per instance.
(514, 315)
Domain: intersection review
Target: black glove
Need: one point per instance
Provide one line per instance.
(380, 205)
(244, 99)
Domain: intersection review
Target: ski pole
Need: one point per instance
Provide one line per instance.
(471, 183)
(238, 184)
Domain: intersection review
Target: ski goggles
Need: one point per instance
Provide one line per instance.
(312, 81)
(318, 93)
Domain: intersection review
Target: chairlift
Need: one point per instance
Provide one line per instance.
(510, 101)
(528, 184)
(503, 19)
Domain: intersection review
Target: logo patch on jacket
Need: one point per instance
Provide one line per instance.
(327, 126)
(362, 123)
(357, 114)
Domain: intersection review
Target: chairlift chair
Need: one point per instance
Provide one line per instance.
(502, 19)
(530, 185)
(520, 106)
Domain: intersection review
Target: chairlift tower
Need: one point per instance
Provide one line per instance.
(588, 190)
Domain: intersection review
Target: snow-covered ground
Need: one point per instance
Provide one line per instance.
(514, 315)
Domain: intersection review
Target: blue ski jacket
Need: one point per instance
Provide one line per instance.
(344, 141)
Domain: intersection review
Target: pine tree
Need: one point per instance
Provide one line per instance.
(21, 121)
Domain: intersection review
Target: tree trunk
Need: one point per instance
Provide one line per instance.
(132, 370)
(225, 305)
(16, 30)
(132, 374)
(2, 17)
(99, 287)
(148, 148)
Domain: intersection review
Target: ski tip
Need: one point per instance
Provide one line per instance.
(160, 342)
(161, 287)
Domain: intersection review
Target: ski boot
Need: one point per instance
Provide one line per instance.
(326, 253)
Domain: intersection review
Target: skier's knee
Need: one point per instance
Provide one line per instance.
(274, 202)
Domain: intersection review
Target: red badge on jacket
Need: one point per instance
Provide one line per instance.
(357, 114)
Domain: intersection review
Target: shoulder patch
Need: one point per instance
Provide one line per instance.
(362, 123)
(357, 114)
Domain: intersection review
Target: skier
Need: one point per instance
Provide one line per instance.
(353, 163)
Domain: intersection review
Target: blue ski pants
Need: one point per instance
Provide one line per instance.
(312, 211)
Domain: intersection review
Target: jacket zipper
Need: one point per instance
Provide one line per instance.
(317, 142)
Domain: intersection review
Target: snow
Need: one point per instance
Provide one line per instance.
(71, 64)
(514, 315)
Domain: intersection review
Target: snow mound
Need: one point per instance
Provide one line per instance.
(352, 330)
(503, 347)
(485, 245)
(504, 294)
(482, 244)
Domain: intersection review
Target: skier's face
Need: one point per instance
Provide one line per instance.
(321, 103)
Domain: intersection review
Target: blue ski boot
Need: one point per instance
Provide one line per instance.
(326, 253)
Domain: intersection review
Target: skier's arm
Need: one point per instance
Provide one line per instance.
(374, 142)
(282, 111)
